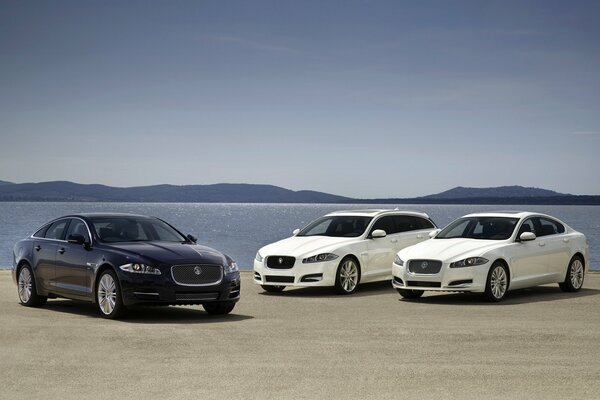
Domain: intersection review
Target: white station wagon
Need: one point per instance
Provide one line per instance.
(492, 253)
(341, 249)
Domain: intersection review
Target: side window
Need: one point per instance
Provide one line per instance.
(79, 227)
(421, 223)
(41, 232)
(550, 227)
(56, 230)
(527, 226)
(386, 223)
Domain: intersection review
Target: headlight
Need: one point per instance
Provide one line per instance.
(469, 262)
(231, 268)
(258, 257)
(398, 260)
(140, 269)
(320, 258)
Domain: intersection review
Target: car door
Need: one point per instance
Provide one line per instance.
(382, 250)
(71, 262)
(528, 259)
(44, 253)
(556, 257)
(411, 230)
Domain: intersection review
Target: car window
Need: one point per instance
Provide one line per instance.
(78, 227)
(527, 226)
(385, 223)
(56, 230)
(406, 223)
(42, 231)
(134, 229)
(337, 226)
(485, 228)
(550, 227)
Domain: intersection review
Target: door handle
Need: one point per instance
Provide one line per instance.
(394, 240)
(566, 240)
(419, 236)
(38, 247)
(61, 250)
(542, 244)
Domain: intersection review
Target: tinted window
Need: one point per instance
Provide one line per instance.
(337, 226)
(132, 229)
(42, 231)
(487, 228)
(78, 227)
(550, 227)
(385, 223)
(56, 230)
(527, 226)
(406, 223)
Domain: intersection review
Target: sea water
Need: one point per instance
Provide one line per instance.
(239, 230)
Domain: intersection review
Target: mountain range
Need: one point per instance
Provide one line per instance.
(252, 193)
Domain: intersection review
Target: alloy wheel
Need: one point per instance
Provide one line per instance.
(576, 274)
(107, 294)
(349, 275)
(498, 282)
(24, 285)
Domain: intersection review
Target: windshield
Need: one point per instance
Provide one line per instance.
(134, 229)
(486, 228)
(337, 226)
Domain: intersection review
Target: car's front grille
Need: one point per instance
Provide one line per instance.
(280, 262)
(196, 296)
(197, 275)
(423, 284)
(424, 266)
(279, 279)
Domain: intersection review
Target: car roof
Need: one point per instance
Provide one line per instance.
(378, 212)
(105, 215)
(514, 214)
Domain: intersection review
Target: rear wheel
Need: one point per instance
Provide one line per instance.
(219, 308)
(26, 288)
(410, 294)
(497, 283)
(347, 276)
(575, 274)
(272, 289)
(108, 296)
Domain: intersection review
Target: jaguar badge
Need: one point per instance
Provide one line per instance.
(280, 260)
(424, 265)
(197, 270)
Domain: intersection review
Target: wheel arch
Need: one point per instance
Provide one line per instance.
(508, 269)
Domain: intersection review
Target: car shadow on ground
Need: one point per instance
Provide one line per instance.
(364, 290)
(147, 315)
(521, 296)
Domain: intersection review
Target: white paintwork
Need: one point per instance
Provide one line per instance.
(375, 255)
(533, 261)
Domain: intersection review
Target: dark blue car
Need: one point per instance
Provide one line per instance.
(118, 260)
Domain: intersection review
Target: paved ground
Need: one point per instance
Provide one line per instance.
(305, 343)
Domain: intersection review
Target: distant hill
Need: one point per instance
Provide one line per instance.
(250, 193)
(218, 193)
(489, 192)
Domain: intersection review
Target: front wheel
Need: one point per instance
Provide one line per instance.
(347, 276)
(497, 283)
(219, 308)
(410, 294)
(108, 296)
(272, 288)
(27, 291)
(574, 277)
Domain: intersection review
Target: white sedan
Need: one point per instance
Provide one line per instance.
(492, 253)
(340, 249)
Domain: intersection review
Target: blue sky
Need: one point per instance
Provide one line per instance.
(357, 98)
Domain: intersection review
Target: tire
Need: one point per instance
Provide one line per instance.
(108, 295)
(497, 283)
(219, 308)
(27, 290)
(347, 276)
(574, 277)
(410, 294)
(272, 289)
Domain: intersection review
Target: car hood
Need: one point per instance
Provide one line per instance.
(298, 246)
(449, 250)
(172, 253)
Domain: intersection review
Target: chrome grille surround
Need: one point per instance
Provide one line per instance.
(185, 275)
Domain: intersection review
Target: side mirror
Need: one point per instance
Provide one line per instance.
(192, 238)
(295, 232)
(378, 233)
(76, 238)
(434, 233)
(527, 236)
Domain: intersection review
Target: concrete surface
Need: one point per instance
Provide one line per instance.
(307, 343)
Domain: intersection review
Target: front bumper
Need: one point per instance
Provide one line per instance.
(162, 290)
(300, 274)
(466, 279)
